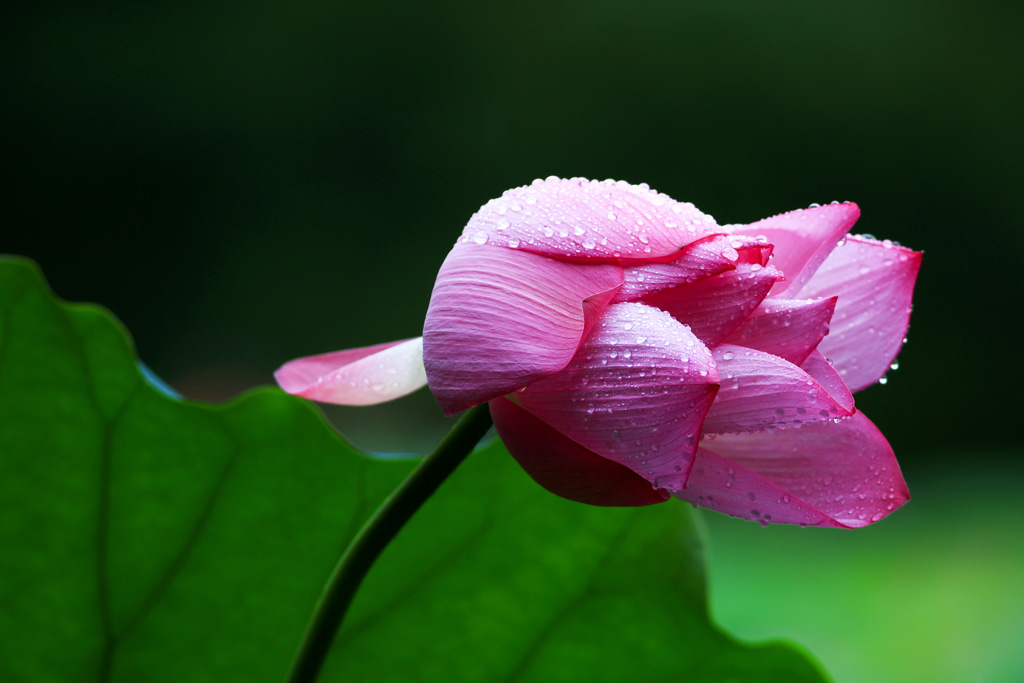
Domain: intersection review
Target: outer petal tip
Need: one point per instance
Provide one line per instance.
(364, 376)
(874, 281)
(803, 239)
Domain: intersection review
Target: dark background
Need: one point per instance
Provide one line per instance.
(246, 182)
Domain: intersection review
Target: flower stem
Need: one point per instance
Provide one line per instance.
(375, 535)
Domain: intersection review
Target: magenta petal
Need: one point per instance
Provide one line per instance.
(725, 486)
(636, 393)
(698, 260)
(716, 306)
(751, 250)
(874, 282)
(564, 467)
(760, 391)
(578, 218)
(500, 319)
(803, 239)
(790, 329)
(818, 367)
(357, 377)
(846, 471)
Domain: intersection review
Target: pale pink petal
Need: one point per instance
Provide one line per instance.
(760, 391)
(587, 219)
(636, 393)
(874, 282)
(501, 318)
(802, 239)
(716, 306)
(564, 467)
(357, 377)
(698, 260)
(787, 328)
(846, 471)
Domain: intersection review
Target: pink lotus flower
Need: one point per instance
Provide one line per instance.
(633, 349)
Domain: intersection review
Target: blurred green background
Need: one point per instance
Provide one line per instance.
(246, 182)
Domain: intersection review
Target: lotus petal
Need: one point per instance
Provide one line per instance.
(787, 328)
(874, 282)
(580, 219)
(357, 377)
(698, 260)
(725, 486)
(563, 466)
(827, 474)
(802, 239)
(761, 391)
(818, 367)
(716, 306)
(636, 393)
(500, 319)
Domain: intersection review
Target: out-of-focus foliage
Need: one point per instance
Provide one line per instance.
(933, 593)
(147, 538)
(255, 181)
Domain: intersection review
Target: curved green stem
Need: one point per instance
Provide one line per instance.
(375, 535)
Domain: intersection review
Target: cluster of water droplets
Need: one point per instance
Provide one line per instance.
(587, 219)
